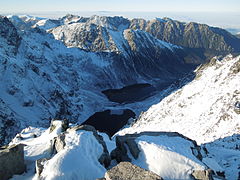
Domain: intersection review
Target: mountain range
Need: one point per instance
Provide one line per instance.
(154, 76)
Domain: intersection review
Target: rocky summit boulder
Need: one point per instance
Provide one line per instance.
(79, 153)
(11, 161)
(168, 154)
(128, 171)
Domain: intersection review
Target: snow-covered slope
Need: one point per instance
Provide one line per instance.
(202, 110)
(205, 110)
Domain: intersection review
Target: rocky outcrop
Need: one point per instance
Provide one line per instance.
(105, 158)
(11, 161)
(237, 107)
(127, 141)
(128, 171)
(190, 35)
(9, 33)
(64, 125)
(40, 165)
(59, 142)
(203, 175)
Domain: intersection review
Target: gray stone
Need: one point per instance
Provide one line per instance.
(11, 161)
(237, 107)
(128, 141)
(59, 142)
(133, 147)
(128, 171)
(40, 165)
(203, 174)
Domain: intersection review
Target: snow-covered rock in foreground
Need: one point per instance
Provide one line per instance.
(78, 159)
(82, 156)
(170, 155)
(203, 110)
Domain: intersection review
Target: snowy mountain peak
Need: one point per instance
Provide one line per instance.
(115, 23)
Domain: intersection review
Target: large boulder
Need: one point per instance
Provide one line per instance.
(168, 154)
(128, 142)
(80, 153)
(104, 158)
(11, 161)
(128, 171)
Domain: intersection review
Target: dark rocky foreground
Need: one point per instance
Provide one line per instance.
(11, 161)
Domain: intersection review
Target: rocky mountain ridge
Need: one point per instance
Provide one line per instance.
(96, 33)
(203, 40)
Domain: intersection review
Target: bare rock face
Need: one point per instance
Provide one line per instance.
(128, 171)
(40, 165)
(59, 142)
(203, 175)
(190, 35)
(9, 32)
(11, 161)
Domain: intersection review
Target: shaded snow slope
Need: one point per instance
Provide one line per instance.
(203, 110)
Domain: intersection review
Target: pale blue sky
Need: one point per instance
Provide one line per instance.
(120, 5)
